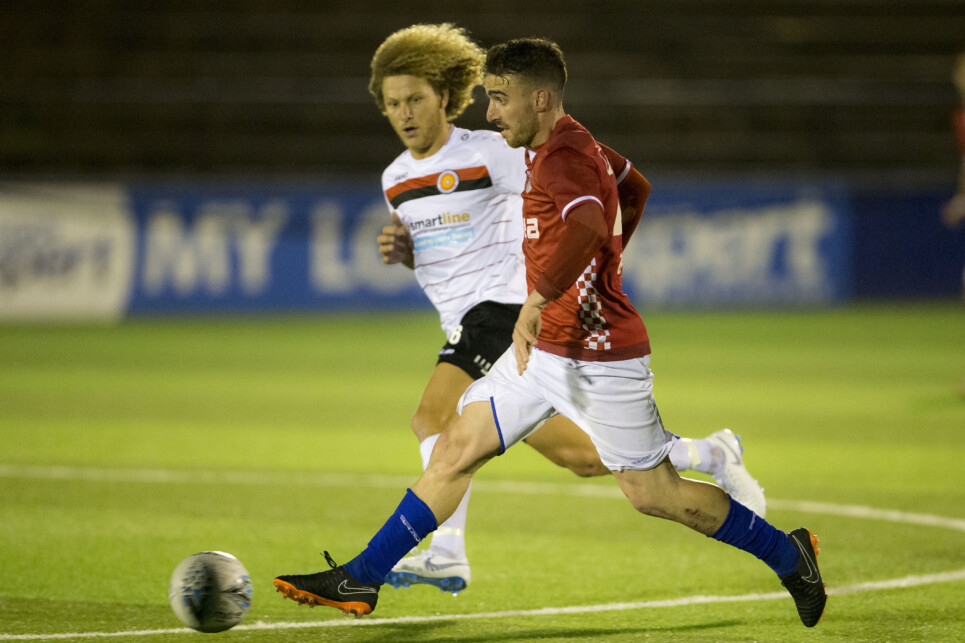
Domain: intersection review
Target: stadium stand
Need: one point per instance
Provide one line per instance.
(278, 87)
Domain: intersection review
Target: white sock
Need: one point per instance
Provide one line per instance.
(698, 455)
(426, 447)
(449, 539)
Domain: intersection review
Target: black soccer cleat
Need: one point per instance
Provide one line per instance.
(334, 588)
(804, 583)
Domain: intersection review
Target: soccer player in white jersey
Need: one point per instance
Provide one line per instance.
(455, 199)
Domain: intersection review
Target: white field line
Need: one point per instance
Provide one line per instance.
(321, 479)
(897, 583)
(529, 488)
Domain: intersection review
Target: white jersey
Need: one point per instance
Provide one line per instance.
(462, 207)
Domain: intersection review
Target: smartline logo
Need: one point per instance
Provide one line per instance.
(446, 218)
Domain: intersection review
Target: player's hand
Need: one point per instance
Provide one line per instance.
(395, 244)
(527, 329)
(953, 213)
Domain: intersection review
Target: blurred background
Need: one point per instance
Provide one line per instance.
(187, 155)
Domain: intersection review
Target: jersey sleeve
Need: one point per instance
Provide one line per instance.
(619, 165)
(583, 234)
(570, 178)
(633, 189)
(385, 189)
(507, 165)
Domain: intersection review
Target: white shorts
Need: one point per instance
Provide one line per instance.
(611, 401)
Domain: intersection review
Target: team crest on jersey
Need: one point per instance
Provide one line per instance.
(447, 182)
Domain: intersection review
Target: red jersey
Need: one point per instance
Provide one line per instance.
(593, 320)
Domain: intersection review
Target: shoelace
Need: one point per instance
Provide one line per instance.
(330, 560)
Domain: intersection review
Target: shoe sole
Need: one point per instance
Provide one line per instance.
(454, 584)
(302, 597)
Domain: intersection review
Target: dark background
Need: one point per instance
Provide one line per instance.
(278, 87)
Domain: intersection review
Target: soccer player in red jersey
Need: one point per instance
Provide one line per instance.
(472, 269)
(579, 349)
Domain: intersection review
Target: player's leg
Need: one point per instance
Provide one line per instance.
(444, 563)
(482, 336)
(567, 445)
(613, 402)
(496, 412)
(437, 407)
(721, 456)
(459, 453)
(436, 413)
(354, 586)
(661, 492)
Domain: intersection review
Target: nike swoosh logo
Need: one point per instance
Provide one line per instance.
(344, 588)
(813, 575)
(435, 566)
(737, 458)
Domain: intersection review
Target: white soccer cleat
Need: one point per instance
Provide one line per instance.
(733, 475)
(424, 567)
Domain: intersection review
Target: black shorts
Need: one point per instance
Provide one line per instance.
(483, 334)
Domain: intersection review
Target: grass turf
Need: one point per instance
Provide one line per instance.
(125, 448)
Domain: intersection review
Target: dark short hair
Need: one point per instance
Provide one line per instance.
(536, 59)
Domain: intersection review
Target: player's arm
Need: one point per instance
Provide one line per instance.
(585, 232)
(633, 188)
(395, 244)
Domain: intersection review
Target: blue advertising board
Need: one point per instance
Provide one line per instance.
(726, 243)
(262, 248)
(242, 248)
(108, 251)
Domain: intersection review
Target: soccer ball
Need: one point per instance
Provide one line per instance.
(210, 591)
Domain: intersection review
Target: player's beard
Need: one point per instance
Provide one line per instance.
(524, 133)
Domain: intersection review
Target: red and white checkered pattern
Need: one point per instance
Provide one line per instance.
(591, 312)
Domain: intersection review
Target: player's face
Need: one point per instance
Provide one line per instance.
(417, 113)
(511, 109)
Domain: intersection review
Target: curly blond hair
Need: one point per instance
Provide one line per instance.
(443, 54)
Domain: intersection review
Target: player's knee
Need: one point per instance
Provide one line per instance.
(426, 423)
(459, 453)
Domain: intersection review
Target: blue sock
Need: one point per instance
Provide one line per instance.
(746, 530)
(411, 522)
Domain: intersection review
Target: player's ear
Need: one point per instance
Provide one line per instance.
(444, 97)
(541, 100)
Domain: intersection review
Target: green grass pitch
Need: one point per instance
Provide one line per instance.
(125, 448)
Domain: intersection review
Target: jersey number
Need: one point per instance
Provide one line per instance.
(532, 228)
(455, 335)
